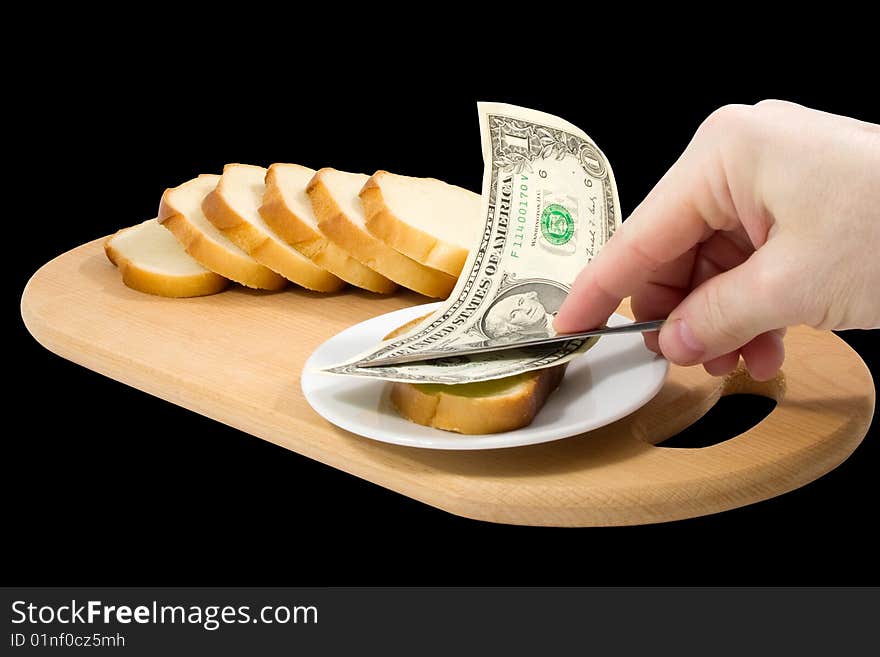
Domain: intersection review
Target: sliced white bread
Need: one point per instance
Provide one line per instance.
(151, 260)
(287, 210)
(475, 408)
(340, 213)
(233, 207)
(430, 221)
(181, 212)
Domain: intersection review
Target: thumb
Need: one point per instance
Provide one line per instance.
(728, 310)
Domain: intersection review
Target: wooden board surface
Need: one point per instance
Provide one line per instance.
(236, 357)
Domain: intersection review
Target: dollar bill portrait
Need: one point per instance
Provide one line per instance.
(524, 310)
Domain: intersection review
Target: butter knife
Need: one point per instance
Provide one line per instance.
(487, 346)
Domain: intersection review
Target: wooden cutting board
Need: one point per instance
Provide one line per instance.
(236, 357)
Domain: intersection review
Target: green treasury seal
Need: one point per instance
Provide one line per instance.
(557, 226)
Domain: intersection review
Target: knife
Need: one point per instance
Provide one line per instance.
(487, 346)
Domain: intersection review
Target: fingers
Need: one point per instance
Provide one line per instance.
(651, 237)
(656, 301)
(685, 251)
(670, 285)
(663, 228)
(690, 202)
(764, 355)
(724, 250)
(726, 312)
(723, 364)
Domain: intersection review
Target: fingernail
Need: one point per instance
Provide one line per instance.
(689, 339)
(685, 348)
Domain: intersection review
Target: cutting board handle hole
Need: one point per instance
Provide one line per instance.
(730, 416)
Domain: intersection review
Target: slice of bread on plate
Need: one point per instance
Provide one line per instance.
(475, 408)
(430, 221)
(151, 260)
(340, 213)
(287, 210)
(181, 212)
(233, 207)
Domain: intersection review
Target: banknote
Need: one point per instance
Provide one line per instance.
(549, 204)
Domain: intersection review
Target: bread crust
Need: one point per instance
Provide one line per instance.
(370, 250)
(315, 246)
(264, 249)
(210, 255)
(474, 415)
(164, 285)
(403, 328)
(405, 238)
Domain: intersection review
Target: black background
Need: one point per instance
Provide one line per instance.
(106, 485)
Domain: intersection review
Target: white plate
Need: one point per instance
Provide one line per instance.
(613, 379)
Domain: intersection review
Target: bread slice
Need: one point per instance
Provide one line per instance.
(233, 207)
(151, 260)
(286, 210)
(475, 408)
(334, 197)
(181, 212)
(430, 221)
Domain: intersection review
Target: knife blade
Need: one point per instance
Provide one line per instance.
(487, 346)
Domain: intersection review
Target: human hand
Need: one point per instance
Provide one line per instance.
(770, 218)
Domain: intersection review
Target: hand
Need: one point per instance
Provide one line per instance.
(770, 218)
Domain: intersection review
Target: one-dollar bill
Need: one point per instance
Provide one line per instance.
(549, 204)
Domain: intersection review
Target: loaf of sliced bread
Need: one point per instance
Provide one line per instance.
(151, 260)
(287, 210)
(233, 207)
(430, 221)
(340, 213)
(181, 212)
(475, 408)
